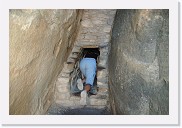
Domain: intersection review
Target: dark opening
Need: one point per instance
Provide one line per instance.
(90, 50)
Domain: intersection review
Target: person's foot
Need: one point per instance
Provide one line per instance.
(93, 91)
(80, 84)
(84, 98)
(87, 87)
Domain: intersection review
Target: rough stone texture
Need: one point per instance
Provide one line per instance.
(94, 32)
(56, 109)
(96, 26)
(138, 62)
(40, 41)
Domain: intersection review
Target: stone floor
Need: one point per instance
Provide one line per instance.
(58, 110)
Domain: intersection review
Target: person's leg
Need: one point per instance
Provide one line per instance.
(88, 68)
(90, 71)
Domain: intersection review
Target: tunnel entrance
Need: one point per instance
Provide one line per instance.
(67, 95)
(91, 37)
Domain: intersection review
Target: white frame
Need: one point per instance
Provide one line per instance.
(171, 119)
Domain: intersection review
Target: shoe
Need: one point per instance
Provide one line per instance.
(93, 91)
(79, 84)
(84, 98)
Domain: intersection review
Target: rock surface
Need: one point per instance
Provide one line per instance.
(139, 77)
(40, 41)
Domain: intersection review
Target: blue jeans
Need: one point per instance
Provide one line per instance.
(88, 69)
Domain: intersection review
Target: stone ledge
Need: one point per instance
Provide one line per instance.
(63, 89)
(63, 80)
(66, 103)
(63, 96)
(103, 89)
(98, 102)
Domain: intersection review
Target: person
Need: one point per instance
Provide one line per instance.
(88, 68)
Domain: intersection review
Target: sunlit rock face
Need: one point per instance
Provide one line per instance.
(40, 41)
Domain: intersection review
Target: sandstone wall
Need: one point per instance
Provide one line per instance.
(138, 62)
(40, 41)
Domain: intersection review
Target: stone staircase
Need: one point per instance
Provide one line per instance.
(95, 32)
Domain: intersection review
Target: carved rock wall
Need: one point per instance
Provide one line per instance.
(40, 42)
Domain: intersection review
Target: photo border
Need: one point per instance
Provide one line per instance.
(171, 119)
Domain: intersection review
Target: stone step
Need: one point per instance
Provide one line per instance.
(95, 100)
(76, 49)
(103, 89)
(98, 102)
(64, 75)
(63, 96)
(99, 96)
(67, 103)
(62, 81)
(67, 69)
(71, 60)
(62, 88)
(56, 109)
(73, 55)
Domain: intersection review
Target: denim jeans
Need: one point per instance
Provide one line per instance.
(88, 69)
